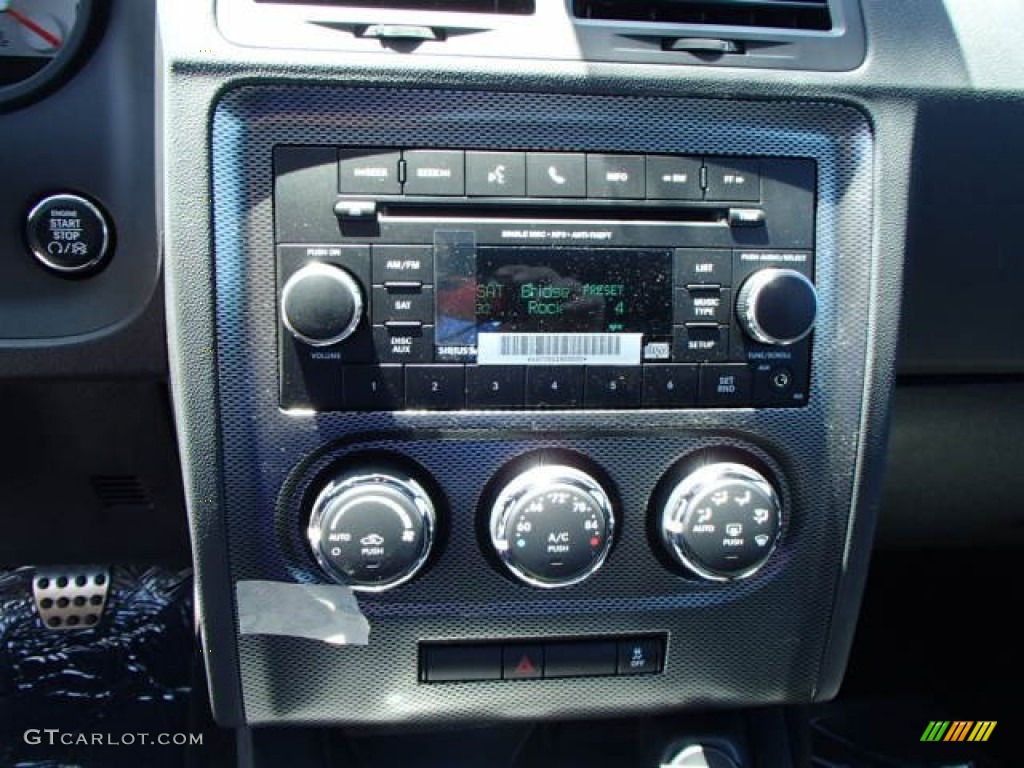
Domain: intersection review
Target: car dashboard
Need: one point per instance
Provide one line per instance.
(503, 363)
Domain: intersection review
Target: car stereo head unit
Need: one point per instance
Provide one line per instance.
(454, 279)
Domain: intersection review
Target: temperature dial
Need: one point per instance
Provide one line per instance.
(552, 526)
(372, 530)
(722, 521)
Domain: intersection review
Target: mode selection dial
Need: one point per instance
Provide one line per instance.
(722, 521)
(321, 304)
(777, 306)
(552, 526)
(373, 529)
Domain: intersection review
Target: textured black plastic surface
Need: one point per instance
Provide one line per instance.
(94, 136)
(759, 641)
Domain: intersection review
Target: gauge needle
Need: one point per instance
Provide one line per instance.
(26, 22)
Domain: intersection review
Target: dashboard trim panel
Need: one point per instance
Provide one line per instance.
(263, 445)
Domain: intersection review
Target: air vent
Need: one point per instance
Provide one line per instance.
(775, 14)
(120, 491)
(521, 7)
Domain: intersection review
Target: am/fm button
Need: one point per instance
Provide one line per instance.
(402, 264)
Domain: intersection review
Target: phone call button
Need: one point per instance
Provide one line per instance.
(556, 174)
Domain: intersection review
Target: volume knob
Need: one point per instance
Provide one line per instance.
(321, 304)
(777, 306)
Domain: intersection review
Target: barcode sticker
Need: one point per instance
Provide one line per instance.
(559, 348)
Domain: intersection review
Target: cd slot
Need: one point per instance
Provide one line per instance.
(562, 211)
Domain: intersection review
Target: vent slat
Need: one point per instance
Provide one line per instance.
(120, 491)
(775, 14)
(517, 7)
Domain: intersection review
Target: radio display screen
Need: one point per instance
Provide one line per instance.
(575, 299)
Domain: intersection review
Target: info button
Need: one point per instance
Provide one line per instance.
(615, 176)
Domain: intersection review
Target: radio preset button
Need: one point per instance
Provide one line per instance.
(435, 387)
(556, 174)
(726, 386)
(616, 176)
(670, 386)
(374, 388)
(495, 386)
(412, 304)
(435, 172)
(554, 387)
(697, 343)
(403, 264)
(612, 387)
(369, 172)
(404, 345)
(495, 174)
(699, 266)
(733, 179)
(673, 178)
(702, 305)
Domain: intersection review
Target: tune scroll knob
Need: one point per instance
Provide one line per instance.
(372, 530)
(777, 306)
(321, 304)
(722, 521)
(552, 526)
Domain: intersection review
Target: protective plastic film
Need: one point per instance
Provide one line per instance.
(327, 612)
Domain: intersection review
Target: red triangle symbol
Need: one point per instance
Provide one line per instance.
(525, 667)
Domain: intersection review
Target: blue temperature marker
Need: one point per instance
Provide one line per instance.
(521, 543)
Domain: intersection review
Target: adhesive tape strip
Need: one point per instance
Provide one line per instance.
(327, 612)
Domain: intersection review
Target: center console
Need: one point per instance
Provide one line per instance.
(521, 403)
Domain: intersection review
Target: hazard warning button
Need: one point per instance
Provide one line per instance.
(523, 662)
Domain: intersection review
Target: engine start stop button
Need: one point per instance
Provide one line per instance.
(68, 235)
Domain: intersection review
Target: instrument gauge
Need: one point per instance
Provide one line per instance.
(40, 41)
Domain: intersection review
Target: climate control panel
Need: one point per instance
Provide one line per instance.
(545, 524)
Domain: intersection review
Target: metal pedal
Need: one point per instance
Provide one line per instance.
(71, 597)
